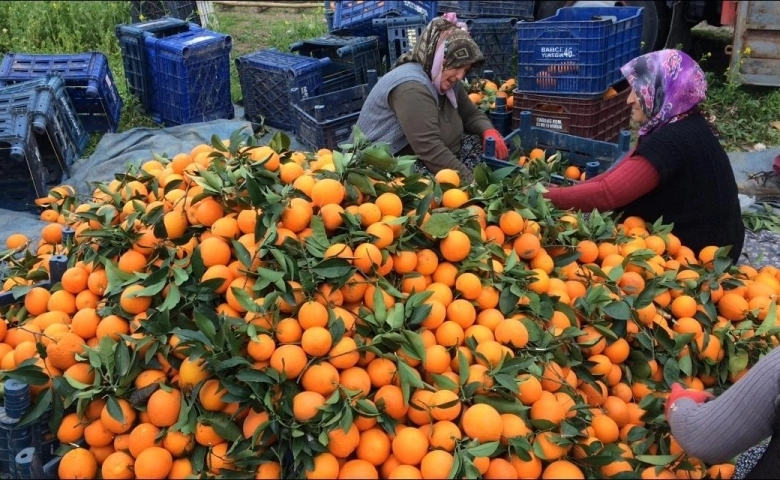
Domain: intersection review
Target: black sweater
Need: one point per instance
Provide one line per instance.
(697, 191)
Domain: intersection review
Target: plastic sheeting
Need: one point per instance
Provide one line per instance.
(117, 151)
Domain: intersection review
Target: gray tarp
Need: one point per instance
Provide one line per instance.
(117, 151)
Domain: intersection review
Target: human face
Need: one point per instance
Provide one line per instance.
(450, 76)
(637, 114)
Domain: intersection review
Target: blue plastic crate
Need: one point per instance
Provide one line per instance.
(57, 128)
(191, 75)
(267, 76)
(356, 16)
(576, 150)
(88, 79)
(497, 39)
(325, 121)
(402, 34)
(579, 50)
(138, 73)
(521, 10)
(501, 117)
(351, 59)
(24, 175)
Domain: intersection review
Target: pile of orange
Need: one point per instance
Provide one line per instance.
(483, 93)
(277, 314)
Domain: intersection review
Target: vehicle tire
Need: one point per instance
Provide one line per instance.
(655, 26)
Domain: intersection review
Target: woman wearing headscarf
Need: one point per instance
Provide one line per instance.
(678, 169)
(420, 106)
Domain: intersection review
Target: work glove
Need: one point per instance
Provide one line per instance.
(679, 392)
(501, 150)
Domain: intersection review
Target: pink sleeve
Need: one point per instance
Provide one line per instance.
(630, 179)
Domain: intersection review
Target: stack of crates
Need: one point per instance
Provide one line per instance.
(24, 449)
(88, 79)
(179, 71)
(569, 70)
(326, 65)
(397, 24)
(326, 121)
(40, 138)
(492, 25)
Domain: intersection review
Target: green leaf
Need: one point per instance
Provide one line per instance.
(439, 225)
(242, 254)
(41, 404)
(122, 359)
(407, 379)
(618, 310)
(224, 427)
(115, 410)
(205, 325)
(768, 323)
(174, 296)
(333, 268)
(739, 362)
(484, 450)
(686, 365)
(657, 460)
(30, 374)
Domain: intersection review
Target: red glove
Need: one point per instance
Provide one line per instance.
(679, 392)
(501, 150)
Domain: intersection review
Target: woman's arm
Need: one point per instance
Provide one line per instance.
(475, 121)
(419, 118)
(629, 180)
(740, 418)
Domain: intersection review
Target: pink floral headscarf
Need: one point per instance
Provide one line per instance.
(445, 43)
(668, 83)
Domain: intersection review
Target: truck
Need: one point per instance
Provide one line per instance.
(666, 23)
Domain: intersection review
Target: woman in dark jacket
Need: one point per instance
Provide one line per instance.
(678, 170)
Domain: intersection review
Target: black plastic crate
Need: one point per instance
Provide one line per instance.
(351, 59)
(600, 117)
(326, 120)
(88, 79)
(497, 39)
(190, 74)
(268, 76)
(576, 150)
(138, 74)
(402, 35)
(23, 176)
(142, 10)
(522, 10)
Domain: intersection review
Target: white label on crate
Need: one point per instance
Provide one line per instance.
(151, 24)
(110, 89)
(198, 39)
(558, 51)
(549, 123)
(417, 8)
(72, 116)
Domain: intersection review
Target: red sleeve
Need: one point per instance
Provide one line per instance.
(629, 180)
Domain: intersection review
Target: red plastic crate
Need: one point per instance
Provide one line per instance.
(588, 117)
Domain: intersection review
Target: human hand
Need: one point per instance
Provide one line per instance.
(679, 392)
(501, 151)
